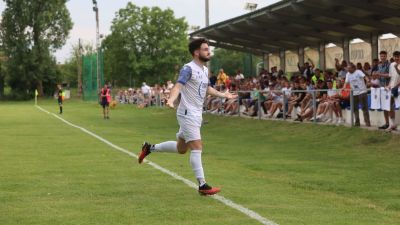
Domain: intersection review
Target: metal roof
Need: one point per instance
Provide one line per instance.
(291, 24)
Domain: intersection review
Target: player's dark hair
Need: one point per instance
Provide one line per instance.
(383, 53)
(196, 43)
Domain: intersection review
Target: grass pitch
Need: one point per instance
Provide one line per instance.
(51, 173)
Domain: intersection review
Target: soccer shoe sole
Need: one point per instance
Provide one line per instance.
(212, 191)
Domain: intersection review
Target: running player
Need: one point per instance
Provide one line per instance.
(193, 85)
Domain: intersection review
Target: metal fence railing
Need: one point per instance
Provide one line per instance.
(252, 98)
(312, 93)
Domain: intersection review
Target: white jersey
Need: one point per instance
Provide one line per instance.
(357, 82)
(394, 76)
(397, 101)
(375, 98)
(194, 79)
(385, 99)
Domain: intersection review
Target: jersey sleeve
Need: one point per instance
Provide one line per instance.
(361, 73)
(184, 75)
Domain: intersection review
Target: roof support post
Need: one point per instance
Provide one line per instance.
(346, 49)
(374, 46)
(300, 52)
(266, 61)
(322, 56)
(282, 57)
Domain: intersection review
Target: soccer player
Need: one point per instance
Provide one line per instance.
(105, 98)
(60, 99)
(193, 85)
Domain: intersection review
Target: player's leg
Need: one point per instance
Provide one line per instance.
(196, 147)
(179, 146)
(61, 108)
(104, 109)
(107, 110)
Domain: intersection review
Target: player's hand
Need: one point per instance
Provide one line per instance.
(170, 104)
(230, 96)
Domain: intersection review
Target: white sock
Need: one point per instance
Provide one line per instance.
(391, 122)
(197, 166)
(168, 146)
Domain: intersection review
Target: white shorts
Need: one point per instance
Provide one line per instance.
(189, 127)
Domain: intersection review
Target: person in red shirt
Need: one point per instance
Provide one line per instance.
(105, 99)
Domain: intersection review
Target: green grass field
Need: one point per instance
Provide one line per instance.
(292, 174)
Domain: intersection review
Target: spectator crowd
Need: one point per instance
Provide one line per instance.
(272, 94)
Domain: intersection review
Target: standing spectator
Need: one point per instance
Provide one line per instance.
(367, 69)
(383, 74)
(239, 76)
(317, 76)
(146, 91)
(394, 83)
(274, 71)
(213, 79)
(356, 80)
(221, 78)
(228, 82)
(341, 68)
(170, 85)
(306, 70)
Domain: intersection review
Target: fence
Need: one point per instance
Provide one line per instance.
(375, 114)
(89, 76)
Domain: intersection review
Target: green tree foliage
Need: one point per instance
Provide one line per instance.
(73, 66)
(231, 61)
(146, 44)
(30, 32)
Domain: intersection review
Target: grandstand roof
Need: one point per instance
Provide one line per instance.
(290, 24)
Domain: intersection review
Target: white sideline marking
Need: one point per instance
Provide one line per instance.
(220, 198)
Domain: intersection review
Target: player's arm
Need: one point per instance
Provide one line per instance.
(174, 94)
(213, 92)
(184, 76)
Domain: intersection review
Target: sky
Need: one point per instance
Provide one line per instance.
(193, 11)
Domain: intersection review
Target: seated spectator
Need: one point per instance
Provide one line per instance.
(296, 98)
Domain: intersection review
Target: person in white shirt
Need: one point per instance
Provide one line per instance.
(357, 83)
(393, 87)
(146, 91)
(193, 86)
(239, 76)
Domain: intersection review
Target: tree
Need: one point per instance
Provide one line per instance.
(146, 44)
(30, 31)
(71, 70)
(231, 61)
